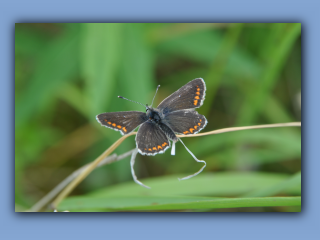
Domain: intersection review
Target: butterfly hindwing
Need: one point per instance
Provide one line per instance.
(125, 122)
(188, 96)
(151, 139)
(185, 121)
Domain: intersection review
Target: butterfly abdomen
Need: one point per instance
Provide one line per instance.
(168, 131)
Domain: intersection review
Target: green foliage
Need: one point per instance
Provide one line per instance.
(172, 203)
(167, 193)
(65, 74)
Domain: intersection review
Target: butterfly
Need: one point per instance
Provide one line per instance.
(174, 115)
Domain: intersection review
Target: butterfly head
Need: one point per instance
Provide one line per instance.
(148, 108)
(153, 114)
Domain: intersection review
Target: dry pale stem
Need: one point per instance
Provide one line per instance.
(88, 170)
(94, 164)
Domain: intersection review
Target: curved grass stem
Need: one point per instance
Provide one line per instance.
(106, 153)
(88, 170)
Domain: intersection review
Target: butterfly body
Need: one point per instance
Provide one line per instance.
(175, 114)
(153, 115)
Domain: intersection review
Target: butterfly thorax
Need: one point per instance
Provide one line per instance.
(153, 115)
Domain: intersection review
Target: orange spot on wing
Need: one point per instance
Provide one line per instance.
(195, 127)
(150, 149)
(199, 124)
(196, 97)
(124, 129)
(164, 144)
(198, 93)
(159, 147)
(113, 124)
(145, 149)
(119, 127)
(154, 148)
(191, 130)
(195, 102)
(109, 123)
(185, 132)
(200, 120)
(106, 120)
(198, 89)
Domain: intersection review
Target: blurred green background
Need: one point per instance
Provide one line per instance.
(66, 74)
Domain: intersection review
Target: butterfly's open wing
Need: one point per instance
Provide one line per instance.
(151, 139)
(188, 96)
(185, 121)
(125, 122)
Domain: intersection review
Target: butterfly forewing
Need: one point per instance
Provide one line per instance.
(185, 121)
(188, 96)
(151, 139)
(125, 122)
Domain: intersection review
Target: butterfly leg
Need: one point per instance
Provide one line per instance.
(133, 158)
(173, 148)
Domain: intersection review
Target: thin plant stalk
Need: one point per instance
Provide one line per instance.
(49, 196)
(88, 170)
(106, 153)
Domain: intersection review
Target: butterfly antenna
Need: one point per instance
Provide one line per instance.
(131, 100)
(155, 95)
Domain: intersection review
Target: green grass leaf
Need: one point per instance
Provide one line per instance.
(152, 203)
(292, 182)
(203, 46)
(285, 36)
(137, 81)
(57, 64)
(100, 57)
(217, 184)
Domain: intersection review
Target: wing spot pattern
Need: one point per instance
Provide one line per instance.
(154, 148)
(159, 147)
(191, 130)
(164, 144)
(118, 126)
(197, 97)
